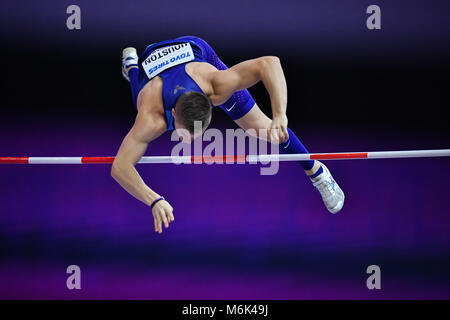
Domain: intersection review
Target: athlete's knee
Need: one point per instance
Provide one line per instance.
(261, 130)
(266, 132)
(272, 59)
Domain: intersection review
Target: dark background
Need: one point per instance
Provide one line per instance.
(237, 234)
(394, 77)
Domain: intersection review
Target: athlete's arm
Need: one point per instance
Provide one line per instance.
(146, 128)
(246, 74)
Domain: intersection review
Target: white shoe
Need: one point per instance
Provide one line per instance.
(332, 194)
(129, 59)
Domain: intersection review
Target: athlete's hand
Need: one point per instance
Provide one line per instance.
(162, 213)
(277, 132)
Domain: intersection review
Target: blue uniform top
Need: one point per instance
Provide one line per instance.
(175, 79)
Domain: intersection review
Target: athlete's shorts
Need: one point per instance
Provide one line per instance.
(240, 102)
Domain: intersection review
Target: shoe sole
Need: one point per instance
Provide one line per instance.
(338, 207)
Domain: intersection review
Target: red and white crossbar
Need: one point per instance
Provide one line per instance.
(235, 158)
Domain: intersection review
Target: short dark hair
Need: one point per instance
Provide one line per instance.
(193, 106)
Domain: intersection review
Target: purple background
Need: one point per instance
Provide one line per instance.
(237, 235)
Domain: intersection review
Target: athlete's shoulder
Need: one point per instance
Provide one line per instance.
(150, 121)
(150, 97)
(201, 67)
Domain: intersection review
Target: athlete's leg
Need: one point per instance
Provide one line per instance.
(133, 74)
(255, 119)
(332, 194)
(130, 70)
(243, 110)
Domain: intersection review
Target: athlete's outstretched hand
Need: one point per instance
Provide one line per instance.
(278, 130)
(162, 213)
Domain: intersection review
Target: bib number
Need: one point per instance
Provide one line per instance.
(167, 57)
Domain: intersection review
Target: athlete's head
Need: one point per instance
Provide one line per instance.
(191, 106)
